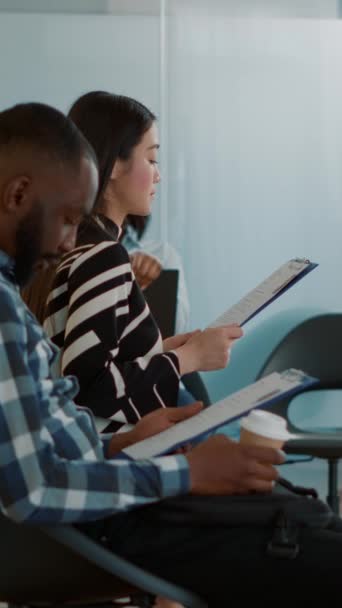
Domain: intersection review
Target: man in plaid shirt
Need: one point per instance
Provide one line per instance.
(54, 465)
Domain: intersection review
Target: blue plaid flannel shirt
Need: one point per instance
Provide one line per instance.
(53, 462)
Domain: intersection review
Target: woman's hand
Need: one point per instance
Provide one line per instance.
(209, 349)
(146, 268)
(178, 340)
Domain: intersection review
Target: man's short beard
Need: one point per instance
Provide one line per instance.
(29, 238)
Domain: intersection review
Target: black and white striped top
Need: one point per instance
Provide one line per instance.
(99, 317)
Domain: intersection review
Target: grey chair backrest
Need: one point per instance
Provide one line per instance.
(313, 346)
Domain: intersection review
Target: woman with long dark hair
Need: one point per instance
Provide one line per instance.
(96, 311)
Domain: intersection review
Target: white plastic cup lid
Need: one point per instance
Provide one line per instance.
(266, 424)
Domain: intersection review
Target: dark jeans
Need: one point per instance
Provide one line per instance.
(223, 564)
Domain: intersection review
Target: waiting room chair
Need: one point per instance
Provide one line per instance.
(305, 338)
(314, 346)
(58, 565)
(250, 353)
(248, 356)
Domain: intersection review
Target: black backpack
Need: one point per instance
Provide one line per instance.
(285, 510)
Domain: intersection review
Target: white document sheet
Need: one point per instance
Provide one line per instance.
(266, 292)
(262, 393)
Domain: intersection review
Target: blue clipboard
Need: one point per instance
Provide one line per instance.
(306, 382)
(310, 266)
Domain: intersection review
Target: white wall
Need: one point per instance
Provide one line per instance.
(54, 58)
(308, 9)
(255, 155)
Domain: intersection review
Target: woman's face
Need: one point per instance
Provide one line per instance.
(134, 181)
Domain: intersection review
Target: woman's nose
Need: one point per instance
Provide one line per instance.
(157, 175)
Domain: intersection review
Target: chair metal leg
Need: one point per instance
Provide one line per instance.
(333, 497)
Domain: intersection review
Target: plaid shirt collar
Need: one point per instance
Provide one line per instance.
(7, 264)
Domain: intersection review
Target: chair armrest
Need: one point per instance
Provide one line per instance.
(319, 445)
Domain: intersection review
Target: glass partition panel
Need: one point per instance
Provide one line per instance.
(254, 152)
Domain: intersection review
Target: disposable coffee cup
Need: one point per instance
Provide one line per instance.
(265, 429)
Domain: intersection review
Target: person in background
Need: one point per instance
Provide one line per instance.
(96, 312)
(149, 257)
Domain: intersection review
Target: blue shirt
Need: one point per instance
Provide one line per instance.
(53, 462)
(169, 258)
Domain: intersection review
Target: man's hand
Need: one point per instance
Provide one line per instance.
(146, 268)
(162, 419)
(221, 466)
(151, 424)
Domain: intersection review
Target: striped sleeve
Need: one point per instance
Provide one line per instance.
(98, 315)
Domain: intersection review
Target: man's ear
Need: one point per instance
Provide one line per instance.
(16, 198)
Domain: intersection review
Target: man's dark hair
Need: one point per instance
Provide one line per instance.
(114, 125)
(47, 131)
